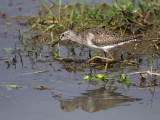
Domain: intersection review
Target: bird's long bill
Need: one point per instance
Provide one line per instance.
(56, 42)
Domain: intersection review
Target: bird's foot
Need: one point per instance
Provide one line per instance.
(95, 57)
(88, 61)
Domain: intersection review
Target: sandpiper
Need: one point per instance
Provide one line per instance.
(97, 39)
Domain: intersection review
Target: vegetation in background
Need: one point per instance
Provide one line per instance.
(124, 16)
(131, 17)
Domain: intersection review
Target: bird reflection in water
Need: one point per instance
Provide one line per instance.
(95, 100)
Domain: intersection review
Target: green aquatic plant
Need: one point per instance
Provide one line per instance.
(72, 11)
(14, 86)
(85, 77)
(59, 10)
(7, 49)
(33, 26)
(101, 76)
(125, 80)
(128, 81)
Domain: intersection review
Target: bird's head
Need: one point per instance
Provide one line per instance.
(66, 35)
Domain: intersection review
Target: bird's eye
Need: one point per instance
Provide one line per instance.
(62, 35)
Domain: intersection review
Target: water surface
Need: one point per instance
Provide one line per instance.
(68, 99)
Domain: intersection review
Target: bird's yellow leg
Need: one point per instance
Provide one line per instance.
(94, 57)
(105, 69)
(107, 59)
(112, 58)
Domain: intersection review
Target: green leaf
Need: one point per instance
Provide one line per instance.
(86, 77)
(41, 71)
(60, 59)
(33, 26)
(72, 11)
(113, 74)
(128, 82)
(49, 27)
(55, 54)
(96, 79)
(101, 76)
(13, 86)
(52, 40)
(123, 76)
(7, 49)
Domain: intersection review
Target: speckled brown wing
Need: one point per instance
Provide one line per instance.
(104, 37)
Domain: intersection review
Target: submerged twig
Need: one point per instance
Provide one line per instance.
(149, 72)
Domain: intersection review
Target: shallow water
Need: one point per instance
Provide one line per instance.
(68, 99)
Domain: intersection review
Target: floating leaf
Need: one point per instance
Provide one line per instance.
(96, 79)
(128, 82)
(113, 74)
(7, 49)
(42, 88)
(100, 76)
(123, 77)
(13, 86)
(86, 77)
(60, 59)
(41, 71)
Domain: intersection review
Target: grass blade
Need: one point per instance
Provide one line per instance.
(72, 12)
(59, 10)
(33, 26)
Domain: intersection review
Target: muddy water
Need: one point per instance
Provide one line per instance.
(68, 99)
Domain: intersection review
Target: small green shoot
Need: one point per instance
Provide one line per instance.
(55, 56)
(72, 12)
(59, 59)
(49, 27)
(7, 49)
(52, 40)
(86, 77)
(123, 77)
(125, 80)
(128, 81)
(96, 79)
(33, 26)
(59, 10)
(14, 86)
(101, 76)
(40, 71)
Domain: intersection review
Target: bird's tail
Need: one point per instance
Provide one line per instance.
(132, 38)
